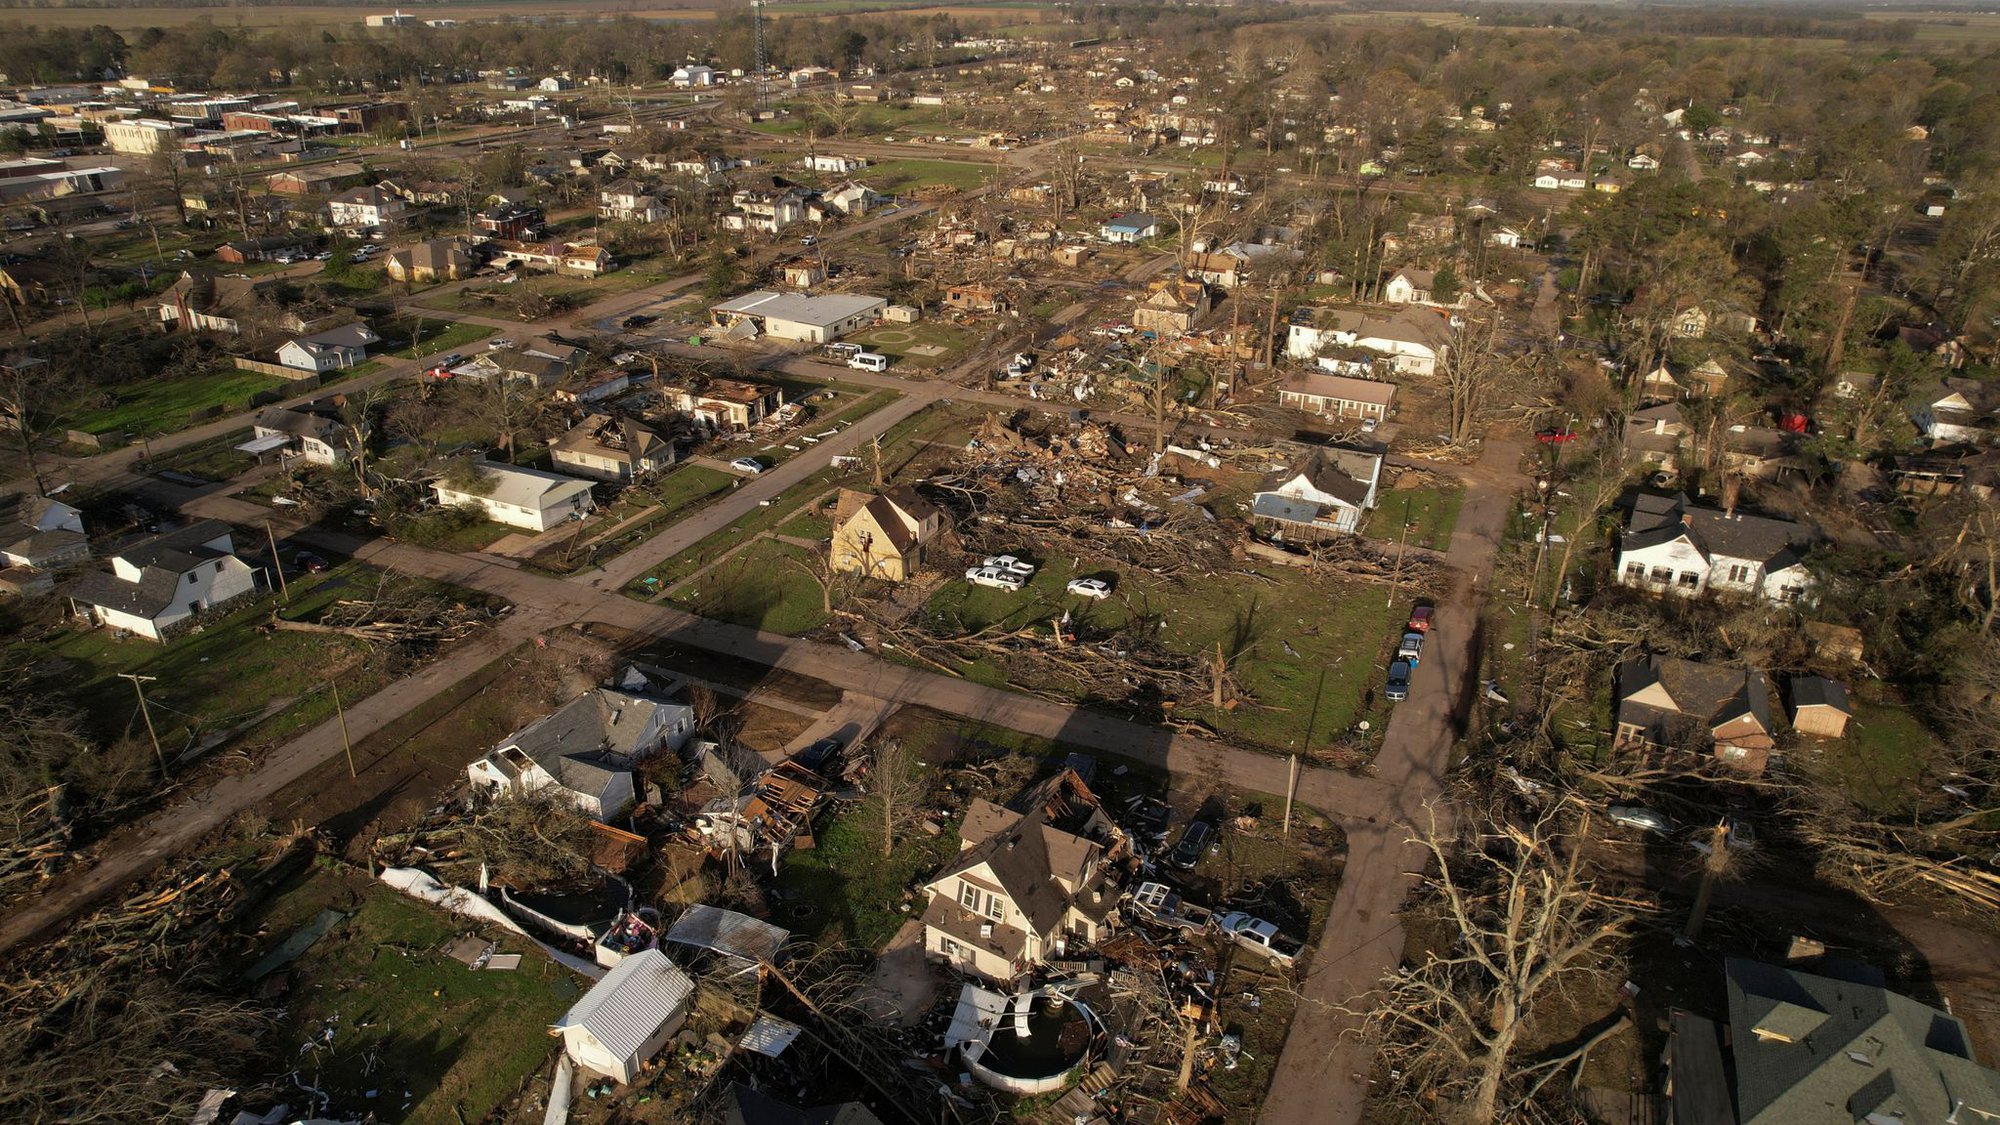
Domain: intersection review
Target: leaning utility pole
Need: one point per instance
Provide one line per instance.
(277, 565)
(147, 715)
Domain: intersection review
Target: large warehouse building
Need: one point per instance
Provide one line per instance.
(797, 316)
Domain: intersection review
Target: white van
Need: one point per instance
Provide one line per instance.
(868, 361)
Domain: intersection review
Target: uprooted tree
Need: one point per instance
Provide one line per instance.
(1521, 923)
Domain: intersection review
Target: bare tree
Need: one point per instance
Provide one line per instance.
(1471, 366)
(896, 789)
(1528, 923)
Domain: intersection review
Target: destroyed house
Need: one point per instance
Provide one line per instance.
(1029, 883)
(610, 447)
(587, 748)
(1323, 493)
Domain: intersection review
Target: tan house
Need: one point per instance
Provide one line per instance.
(1820, 707)
(883, 536)
(1666, 704)
(974, 297)
(1337, 396)
(605, 447)
(440, 259)
(1030, 883)
(1173, 308)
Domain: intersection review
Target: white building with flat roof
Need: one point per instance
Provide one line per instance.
(798, 316)
(142, 136)
(519, 496)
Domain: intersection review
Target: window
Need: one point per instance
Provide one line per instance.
(1739, 573)
(950, 948)
(1662, 575)
(996, 908)
(1635, 572)
(968, 896)
(1690, 580)
(191, 578)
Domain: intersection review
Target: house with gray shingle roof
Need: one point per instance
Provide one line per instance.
(1666, 704)
(40, 532)
(1837, 1046)
(1669, 546)
(587, 747)
(159, 585)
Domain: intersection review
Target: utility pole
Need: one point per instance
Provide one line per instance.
(147, 715)
(1718, 858)
(341, 713)
(277, 565)
(1403, 541)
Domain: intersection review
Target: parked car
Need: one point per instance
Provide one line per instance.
(1420, 620)
(1010, 564)
(747, 465)
(819, 753)
(638, 320)
(1192, 845)
(995, 577)
(1638, 816)
(1398, 687)
(499, 342)
(1096, 588)
(308, 562)
(450, 359)
(1260, 937)
(1411, 648)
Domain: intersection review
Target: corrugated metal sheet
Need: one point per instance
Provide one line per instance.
(726, 931)
(633, 1000)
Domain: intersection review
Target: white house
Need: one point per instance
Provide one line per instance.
(808, 318)
(587, 748)
(1325, 492)
(832, 162)
(608, 447)
(1955, 410)
(850, 198)
(1136, 227)
(329, 350)
(627, 201)
(1414, 339)
(39, 532)
(626, 1018)
(1409, 286)
(1504, 236)
(765, 211)
(1643, 162)
(160, 584)
(366, 207)
(314, 433)
(520, 496)
(1671, 547)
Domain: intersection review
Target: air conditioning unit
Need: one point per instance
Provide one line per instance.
(986, 929)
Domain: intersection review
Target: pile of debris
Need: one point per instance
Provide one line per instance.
(414, 616)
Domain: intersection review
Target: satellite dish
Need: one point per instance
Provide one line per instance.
(1362, 725)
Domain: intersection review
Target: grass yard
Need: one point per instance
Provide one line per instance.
(437, 337)
(907, 175)
(1880, 761)
(1432, 513)
(163, 406)
(761, 587)
(686, 487)
(217, 459)
(434, 1042)
(927, 344)
(1279, 635)
(854, 893)
(228, 677)
(758, 520)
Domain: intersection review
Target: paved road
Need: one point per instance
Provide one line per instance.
(1322, 1077)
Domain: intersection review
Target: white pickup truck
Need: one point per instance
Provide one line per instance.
(1159, 903)
(1259, 936)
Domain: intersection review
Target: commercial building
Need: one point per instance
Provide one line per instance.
(798, 316)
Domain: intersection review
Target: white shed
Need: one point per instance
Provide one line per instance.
(626, 1018)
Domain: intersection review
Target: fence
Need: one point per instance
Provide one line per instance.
(298, 375)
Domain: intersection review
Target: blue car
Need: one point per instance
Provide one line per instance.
(1399, 681)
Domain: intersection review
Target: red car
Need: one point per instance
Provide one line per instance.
(1420, 620)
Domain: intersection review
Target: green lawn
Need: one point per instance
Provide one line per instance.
(228, 675)
(1345, 629)
(760, 519)
(438, 1043)
(845, 890)
(438, 336)
(907, 175)
(685, 487)
(1880, 761)
(217, 459)
(928, 344)
(760, 587)
(1432, 513)
(159, 406)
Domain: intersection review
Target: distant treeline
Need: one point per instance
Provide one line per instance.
(1745, 23)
